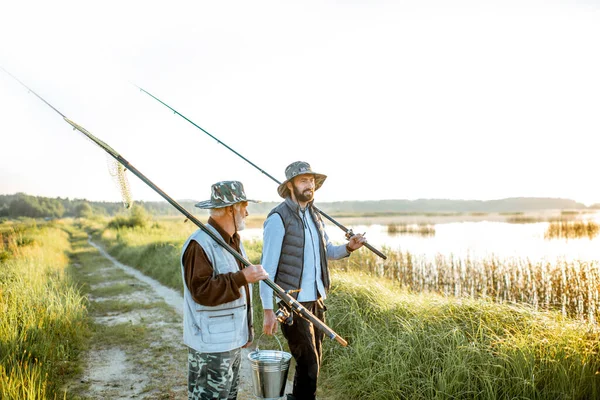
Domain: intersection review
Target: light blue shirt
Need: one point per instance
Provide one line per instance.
(312, 284)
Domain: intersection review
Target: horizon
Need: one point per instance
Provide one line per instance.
(485, 100)
(162, 200)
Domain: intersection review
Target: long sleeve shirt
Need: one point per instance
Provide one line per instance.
(205, 288)
(311, 285)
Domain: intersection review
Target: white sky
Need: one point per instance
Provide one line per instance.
(391, 99)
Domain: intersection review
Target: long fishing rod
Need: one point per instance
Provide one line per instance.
(348, 232)
(294, 305)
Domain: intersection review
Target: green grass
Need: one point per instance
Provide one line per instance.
(155, 249)
(416, 346)
(571, 287)
(405, 345)
(43, 321)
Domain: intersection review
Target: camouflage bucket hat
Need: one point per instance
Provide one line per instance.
(299, 168)
(225, 193)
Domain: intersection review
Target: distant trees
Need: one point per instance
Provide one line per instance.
(30, 206)
(24, 205)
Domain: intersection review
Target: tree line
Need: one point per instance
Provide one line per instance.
(24, 205)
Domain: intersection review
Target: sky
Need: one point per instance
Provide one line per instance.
(475, 100)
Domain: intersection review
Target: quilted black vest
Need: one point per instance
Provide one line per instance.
(291, 260)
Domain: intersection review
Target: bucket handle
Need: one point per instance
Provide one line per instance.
(276, 338)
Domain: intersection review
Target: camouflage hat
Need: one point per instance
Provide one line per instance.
(225, 193)
(299, 168)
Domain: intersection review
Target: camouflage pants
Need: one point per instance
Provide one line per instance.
(213, 375)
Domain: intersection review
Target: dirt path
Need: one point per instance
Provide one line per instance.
(137, 350)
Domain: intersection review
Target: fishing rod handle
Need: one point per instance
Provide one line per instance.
(341, 341)
(299, 309)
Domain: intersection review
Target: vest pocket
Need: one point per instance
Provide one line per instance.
(221, 326)
(221, 323)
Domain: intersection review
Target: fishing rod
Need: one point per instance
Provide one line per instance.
(347, 231)
(294, 305)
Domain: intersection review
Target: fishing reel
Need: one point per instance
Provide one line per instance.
(284, 316)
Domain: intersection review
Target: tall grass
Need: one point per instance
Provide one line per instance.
(427, 346)
(572, 229)
(155, 247)
(424, 346)
(42, 323)
(411, 229)
(524, 219)
(573, 287)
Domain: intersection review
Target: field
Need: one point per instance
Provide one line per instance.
(469, 332)
(43, 323)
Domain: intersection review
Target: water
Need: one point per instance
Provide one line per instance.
(473, 239)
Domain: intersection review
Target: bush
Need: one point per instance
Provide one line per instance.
(138, 218)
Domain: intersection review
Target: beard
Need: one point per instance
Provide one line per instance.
(305, 196)
(240, 221)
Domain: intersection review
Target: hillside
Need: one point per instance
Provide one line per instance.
(23, 205)
(518, 204)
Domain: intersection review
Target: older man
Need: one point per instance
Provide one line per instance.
(217, 318)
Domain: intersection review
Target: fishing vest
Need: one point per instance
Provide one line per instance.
(291, 259)
(219, 328)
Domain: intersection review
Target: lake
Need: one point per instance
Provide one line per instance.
(476, 238)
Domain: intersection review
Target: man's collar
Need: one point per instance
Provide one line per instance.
(226, 236)
(295, 206)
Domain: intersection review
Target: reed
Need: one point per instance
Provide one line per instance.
(523, 219)
(569, 212)
(43, 320)
(571, 229)
(411, 229)
(426, 346)
(572, 287)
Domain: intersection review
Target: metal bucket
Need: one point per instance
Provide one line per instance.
(269, 371)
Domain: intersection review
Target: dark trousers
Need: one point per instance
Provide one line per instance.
(305, 345)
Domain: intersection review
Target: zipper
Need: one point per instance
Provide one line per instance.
(312, 245)
(224, 309)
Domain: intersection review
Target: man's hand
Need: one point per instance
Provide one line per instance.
(269, 323)
(356, 242)
(254, 273)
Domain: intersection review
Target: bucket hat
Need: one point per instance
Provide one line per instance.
(224, 194)
(299, 168)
